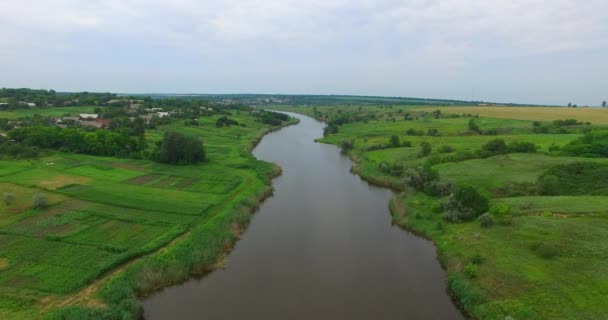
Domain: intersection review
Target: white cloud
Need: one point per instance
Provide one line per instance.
(524, 26)
(355, 45)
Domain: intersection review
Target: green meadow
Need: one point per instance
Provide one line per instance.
(544, 256)
(110, 224)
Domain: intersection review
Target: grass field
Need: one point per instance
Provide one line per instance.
(548, 261)
(594, 115)
(46, 112)
(106, 214)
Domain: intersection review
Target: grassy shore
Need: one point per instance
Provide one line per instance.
(545, 259)
(116, 230)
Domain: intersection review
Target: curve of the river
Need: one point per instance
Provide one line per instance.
(323, 247)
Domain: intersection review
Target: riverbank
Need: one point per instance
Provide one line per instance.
(323, 247)
(521, 266)
(197, 252)
(105, 250)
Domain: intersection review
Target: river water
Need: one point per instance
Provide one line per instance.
(323, 247)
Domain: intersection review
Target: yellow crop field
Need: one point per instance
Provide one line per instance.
(593, 115)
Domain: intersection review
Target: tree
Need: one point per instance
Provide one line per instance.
(176, 148)
(39, 202)
(473, 126)
(604, 104)
(425, 149)
(471, 198)
(394, 141)
(495, 147)
(346, 145)
(569, 104)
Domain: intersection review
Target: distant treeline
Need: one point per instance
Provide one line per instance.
(19, 98)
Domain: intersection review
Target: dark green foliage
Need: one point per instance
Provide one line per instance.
(477, 259)
(96, 142)
(545, 250)
(522, 147)
(224, 121)
(581, 178)
(42, 98)
(40, 201)
(495, 147)
(394, 141)
(425, 149)
(464, 205)
(592, 144)
(471, 270)
(346, 145)
(473, 126)
(471, 198)
(395, 170)
(273, 118)
(330, 129)
(176, 148)
(432, 132)
(425, 178)
(486, 220)
(436, 114)
(8, 198)
(445, 149)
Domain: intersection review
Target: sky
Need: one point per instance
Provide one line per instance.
(523, 51)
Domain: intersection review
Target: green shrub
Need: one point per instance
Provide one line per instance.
(445, 149)
(40, 201)
(477, 259)
(471, 198)
(580, 178)
(394, 141)
(486, 220)
(425, 149)
(8, 198)
(545, 250)
(347, 145)
(471, 270)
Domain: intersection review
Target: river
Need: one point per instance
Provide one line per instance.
(323, 247)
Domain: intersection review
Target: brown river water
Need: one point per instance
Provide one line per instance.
(322, 247)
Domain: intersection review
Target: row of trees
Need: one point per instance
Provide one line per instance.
(15, 98)
(78, 140)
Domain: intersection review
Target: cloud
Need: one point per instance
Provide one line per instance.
(352, 44)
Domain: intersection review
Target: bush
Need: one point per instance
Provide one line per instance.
(592, 144)
(445, 149)
(394, 141)
(473, 126)
(477, 259)
(579, 178)
(425, 149)
(176, 148)
(418, 178)
(471, 270)
(486, 220)
(495, 147)
(522, 147)
(40, 201)
(470, 197)
(437, 188)
(8, 198)
(347, 145)
(545, 250)
(502, 213)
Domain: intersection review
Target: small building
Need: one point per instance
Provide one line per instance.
(162, 114)
(94, 124)
(88, 116)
